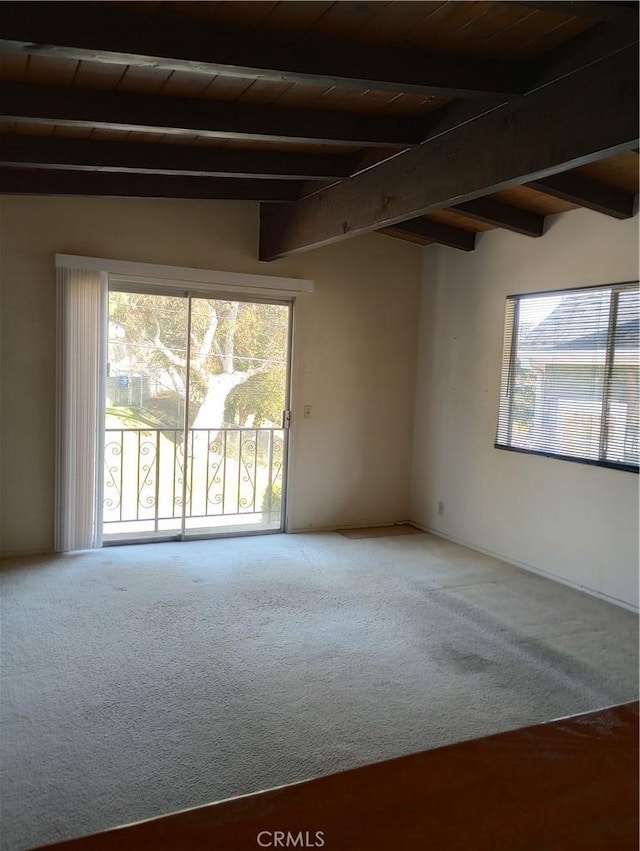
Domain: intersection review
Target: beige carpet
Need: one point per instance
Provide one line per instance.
(142, 680)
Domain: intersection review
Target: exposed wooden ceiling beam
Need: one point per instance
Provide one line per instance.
(593, 45)
(86, 154)
(428, 231)
(125, 37)
(36, 181)
(585, 192)
(501, 215)
(129, 111)
(582, 118)
(599, 10)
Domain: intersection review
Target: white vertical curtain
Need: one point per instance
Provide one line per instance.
(81, 365)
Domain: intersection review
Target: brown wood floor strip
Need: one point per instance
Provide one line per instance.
(569, 785)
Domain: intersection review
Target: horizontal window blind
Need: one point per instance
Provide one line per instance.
(570, 373)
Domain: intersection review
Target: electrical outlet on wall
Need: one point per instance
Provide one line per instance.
(441, 509)
(307, 412)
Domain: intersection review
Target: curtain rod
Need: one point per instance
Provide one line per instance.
(182, 273)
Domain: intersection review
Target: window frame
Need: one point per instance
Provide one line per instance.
(507, 377)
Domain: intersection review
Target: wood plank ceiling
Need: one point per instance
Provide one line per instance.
(425, 121)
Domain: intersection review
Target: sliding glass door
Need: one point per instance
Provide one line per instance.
(196, 395)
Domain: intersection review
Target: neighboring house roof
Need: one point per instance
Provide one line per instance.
(563, 329)
(626, 338)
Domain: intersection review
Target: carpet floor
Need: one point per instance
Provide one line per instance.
(140, 680)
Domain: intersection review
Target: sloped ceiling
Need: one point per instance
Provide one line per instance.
(426, 121)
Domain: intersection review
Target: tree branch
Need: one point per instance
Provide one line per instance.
(170, 355)
(231, 338)
(238, 378)
(178, 380)
(207, 341)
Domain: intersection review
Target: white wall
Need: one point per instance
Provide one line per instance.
(574, 522)
(354, 363)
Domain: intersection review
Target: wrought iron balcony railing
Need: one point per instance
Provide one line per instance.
(150, 475)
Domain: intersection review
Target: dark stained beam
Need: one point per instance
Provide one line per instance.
(129, 111)
(591, 46)
(126, 37)
(599, 10)
(428, 231)
(501, 215)
(52, 152)
(587, 193)
(26, 181)
(585, 117)
(456, 114)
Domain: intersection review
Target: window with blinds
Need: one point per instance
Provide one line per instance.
(570, 375)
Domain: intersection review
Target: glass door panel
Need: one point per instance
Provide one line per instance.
(217, 465)
(237, 394)
(145, 410)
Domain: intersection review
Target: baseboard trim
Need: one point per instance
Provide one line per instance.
(529, 567)
(302, 530)
(296, 530)
(25, 553)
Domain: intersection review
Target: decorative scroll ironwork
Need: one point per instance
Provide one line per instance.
(112, 489)
(215, 480)
(153, 475)
(248, 447)
(147, 448)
